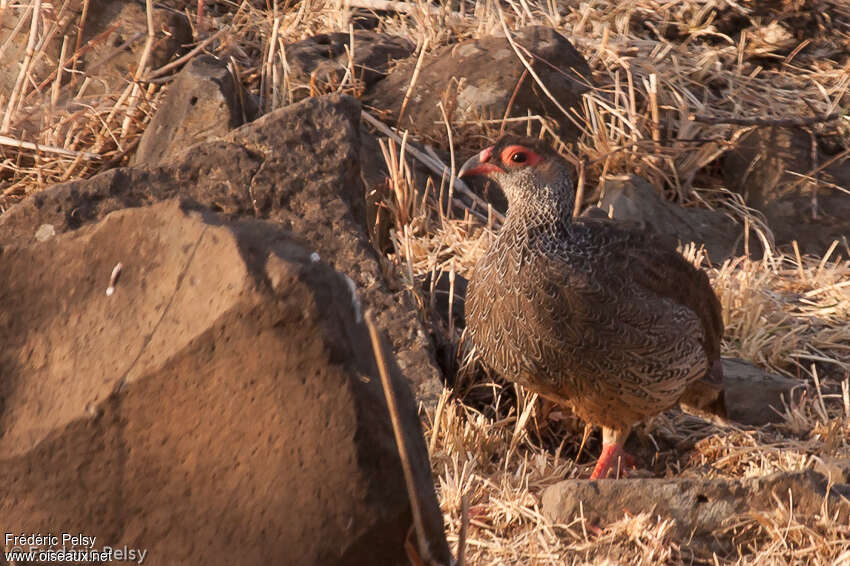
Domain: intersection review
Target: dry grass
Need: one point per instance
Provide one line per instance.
(656, 66)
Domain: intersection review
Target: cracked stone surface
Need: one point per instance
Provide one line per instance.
(298, 166)
(191, 411)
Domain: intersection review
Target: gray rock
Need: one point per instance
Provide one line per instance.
(323, 59)
(761, 167)
(114, 36)
(699, 507)
(203, 103)
(222, 406)
(125, 24)
(15, 47)
(754, 396)
(837, 470)
(477, 78)
(635, 201)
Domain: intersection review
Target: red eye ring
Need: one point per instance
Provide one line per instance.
(519, 156)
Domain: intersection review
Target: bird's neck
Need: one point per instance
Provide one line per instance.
(532, 215)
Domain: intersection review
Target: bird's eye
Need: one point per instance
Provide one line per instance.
(519, 157)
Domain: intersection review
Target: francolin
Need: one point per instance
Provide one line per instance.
(611, 321)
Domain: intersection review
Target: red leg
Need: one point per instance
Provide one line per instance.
(612, 456)
(607, 461)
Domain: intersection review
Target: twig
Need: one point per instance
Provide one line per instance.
(407, 468)
(350, 69)
(200, 23)
(527, 65)
(814, 154)
(80, 30)
(11, 142)
(781, 122)
(267, 101)
(434, 165)
(388, 6)
(54, 95)
(143, 63)
(579, 188)
(25, 67)
(452, 175)
(464, 526)
(165, 69)
(413, 78)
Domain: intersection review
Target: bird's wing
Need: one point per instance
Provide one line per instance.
(655, 265)
(635, 321)
(618, 353)
(663, 271)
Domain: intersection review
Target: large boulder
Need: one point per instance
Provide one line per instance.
(298, 166)
(221, 405)
(755, 397)
(482, 79)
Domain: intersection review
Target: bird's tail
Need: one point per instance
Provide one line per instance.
(705, 397)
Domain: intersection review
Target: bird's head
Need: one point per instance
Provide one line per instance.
(529, 172)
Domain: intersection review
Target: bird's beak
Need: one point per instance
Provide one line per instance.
(478, 165)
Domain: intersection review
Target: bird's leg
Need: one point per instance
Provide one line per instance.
(612, 453)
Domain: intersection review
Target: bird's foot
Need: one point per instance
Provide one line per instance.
(613, 459)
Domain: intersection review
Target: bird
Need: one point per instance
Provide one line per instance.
(609, 320)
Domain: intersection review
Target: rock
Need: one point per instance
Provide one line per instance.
(761, 167)
(297, 166)
(635, 201)
(113, 57)
(124, 25)
(114, 35)
(203, 103)
(699, 507)
(476, 79)
(222, 406)
(836, 470)
(14, 43)
(754, 396)
(322, 60)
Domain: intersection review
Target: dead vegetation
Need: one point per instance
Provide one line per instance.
(677, 84)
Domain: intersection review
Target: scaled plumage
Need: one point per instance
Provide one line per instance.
(611, 321)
